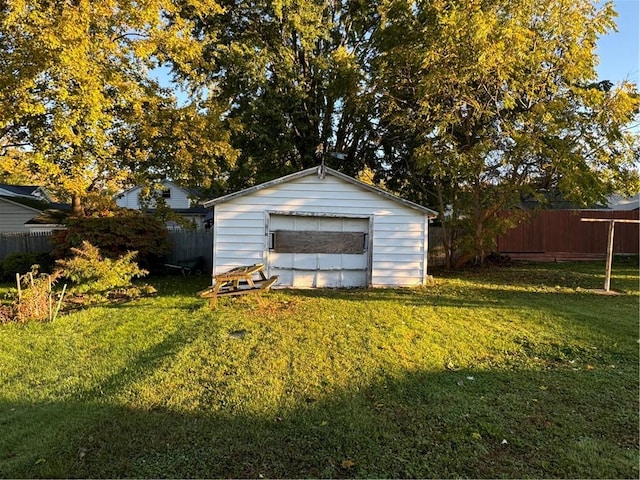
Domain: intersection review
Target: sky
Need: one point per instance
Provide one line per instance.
(619, 52)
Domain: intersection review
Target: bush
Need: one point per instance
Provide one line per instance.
(21, 263)
(127, 231)
(97, 275)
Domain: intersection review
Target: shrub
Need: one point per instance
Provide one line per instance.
(21, 263)
(97, 275)
(127, 231)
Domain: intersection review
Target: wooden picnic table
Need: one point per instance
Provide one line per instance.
(238, 281)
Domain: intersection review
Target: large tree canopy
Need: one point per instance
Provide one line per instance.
(496, 100)
(464, 105)
(294, 73)
(77, 98)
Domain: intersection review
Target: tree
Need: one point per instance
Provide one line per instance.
(75, 85)
(295, 76)
(189, 144)
(500, 100)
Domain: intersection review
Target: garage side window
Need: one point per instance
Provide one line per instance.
(289, 241)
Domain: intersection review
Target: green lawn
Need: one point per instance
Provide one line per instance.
(511, 372)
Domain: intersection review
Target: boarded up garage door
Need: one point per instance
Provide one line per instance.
(307, 251)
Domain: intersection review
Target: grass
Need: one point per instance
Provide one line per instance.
(508, 372)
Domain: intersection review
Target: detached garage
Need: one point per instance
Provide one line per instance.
(321, 228)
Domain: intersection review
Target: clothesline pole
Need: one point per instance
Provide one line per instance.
(612, 222)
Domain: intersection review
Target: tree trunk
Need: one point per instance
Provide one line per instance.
(478, 241)
(77, 209)
(446, 241)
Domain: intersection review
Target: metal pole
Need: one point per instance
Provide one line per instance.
(607, 278)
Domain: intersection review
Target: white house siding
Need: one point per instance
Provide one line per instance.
(131, 198)
(398, 233)
(13, 216)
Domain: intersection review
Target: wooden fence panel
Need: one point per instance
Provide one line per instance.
(561, 233)
(188, 244)
(24, 243)
(436, 256)
(523, 238)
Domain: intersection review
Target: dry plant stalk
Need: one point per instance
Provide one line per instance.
(35, 297)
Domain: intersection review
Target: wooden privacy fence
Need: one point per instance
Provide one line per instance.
(186, 244)
(24, 243)
(561, 235)
(190, 244)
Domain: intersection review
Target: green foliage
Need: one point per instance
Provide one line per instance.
(189, 144)
(498, 101)
(466, 106)
(22, 263)
(295, 76)
(126, 231)
(97, 275)
(80, 106)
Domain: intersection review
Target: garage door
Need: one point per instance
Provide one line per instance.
(309, 251)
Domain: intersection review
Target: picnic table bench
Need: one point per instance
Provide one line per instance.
(238, 281)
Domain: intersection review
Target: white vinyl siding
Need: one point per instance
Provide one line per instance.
(13, 216)
(131, 198)
(398, 232)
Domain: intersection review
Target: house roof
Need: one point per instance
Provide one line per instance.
(613, 202)
(27, 190)
(617, 202)
(31, 203)
(45, 213)
(316, 171)
(195, 210)
(32, 191)
(36, 204)
(48, 217)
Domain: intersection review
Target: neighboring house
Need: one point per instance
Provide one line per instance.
(619, 203)
(22, 214)
(321, 228)
(175, 197)
(27, 191)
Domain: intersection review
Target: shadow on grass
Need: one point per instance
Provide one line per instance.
(587, 274)
(423, 424)
(549, 422)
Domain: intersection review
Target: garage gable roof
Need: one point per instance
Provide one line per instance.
(315, 171)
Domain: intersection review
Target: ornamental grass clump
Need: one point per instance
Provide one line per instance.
(36, 300)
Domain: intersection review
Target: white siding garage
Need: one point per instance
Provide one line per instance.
(322, 230)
